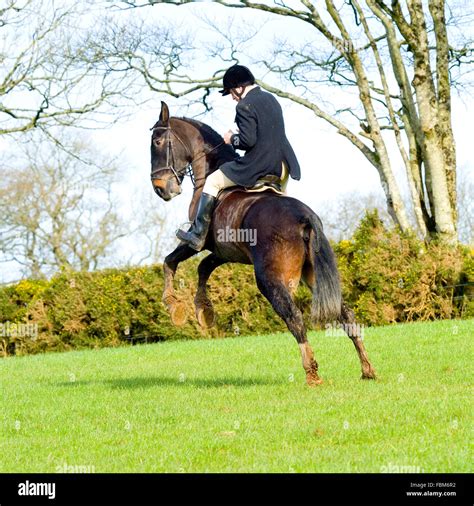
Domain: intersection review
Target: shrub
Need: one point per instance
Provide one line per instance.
(392, 277)
(387, 277)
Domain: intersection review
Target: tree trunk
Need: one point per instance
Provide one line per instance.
(434, 148)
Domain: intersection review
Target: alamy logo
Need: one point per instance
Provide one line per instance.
(229, 234)
(9, 329)
(68, 468)
(32, 488)
(396, 468)
(336, 329)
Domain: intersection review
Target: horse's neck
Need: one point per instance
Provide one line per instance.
(202, 165)
(205, 163)
(204, 160)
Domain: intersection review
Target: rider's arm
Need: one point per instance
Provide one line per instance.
(247, 123)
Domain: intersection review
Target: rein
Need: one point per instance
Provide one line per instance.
(187, 170)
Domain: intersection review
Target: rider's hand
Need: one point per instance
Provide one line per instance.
(227, 136)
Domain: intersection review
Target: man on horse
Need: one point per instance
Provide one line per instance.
(261, 135)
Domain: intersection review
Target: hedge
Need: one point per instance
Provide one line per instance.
(387, 277)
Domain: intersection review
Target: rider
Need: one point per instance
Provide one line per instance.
(261, 135)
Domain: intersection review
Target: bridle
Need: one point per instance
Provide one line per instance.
(170, 157)
(187, 170)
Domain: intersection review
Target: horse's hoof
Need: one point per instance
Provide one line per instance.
(313, 381)
(369, 375)
(178, 314)
(205, 316)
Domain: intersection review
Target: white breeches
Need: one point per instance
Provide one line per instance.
(216, 182)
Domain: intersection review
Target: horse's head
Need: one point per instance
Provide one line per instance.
(169, 157)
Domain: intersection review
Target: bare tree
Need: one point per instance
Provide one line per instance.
(342, 217)
(58, 212)
(44, 80)
(465, 194)
(152, 229)
(57, 209)
(396, 55)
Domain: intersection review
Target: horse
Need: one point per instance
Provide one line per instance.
(290, 244)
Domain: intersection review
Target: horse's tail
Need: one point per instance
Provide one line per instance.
(327, 297)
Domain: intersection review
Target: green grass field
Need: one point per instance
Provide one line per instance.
(241, 405)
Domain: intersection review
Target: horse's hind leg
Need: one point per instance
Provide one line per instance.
(176, 308)
(278, 294)
(351, 328)
(204, 310)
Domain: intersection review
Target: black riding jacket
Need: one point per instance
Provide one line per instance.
(262, 136)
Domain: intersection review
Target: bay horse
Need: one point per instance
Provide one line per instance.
(290, 244)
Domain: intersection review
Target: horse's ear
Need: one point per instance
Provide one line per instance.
(165, 113)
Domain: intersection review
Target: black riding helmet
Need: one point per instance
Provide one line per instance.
(236, 76)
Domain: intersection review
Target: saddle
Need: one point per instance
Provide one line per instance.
(270, 182)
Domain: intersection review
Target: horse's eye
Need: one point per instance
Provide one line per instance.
(157, 142)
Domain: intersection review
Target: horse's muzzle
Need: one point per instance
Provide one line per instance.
(170, 190)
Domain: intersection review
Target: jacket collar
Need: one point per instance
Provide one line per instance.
(250, 93)
(253, 90)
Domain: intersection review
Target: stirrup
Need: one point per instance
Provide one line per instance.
(195, 242)
(181, 227)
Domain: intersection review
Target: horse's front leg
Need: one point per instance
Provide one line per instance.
(204, 310)
(176, 308)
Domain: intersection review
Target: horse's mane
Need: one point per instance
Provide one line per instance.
(209, 135)
(224, 153)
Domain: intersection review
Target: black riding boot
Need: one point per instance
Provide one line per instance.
(195, 237)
